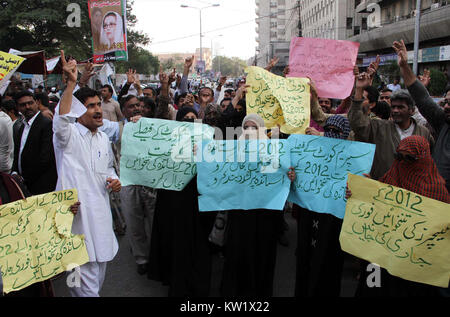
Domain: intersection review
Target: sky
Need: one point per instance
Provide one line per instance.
(230, 28)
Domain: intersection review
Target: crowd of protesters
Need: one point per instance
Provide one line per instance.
(53, 141)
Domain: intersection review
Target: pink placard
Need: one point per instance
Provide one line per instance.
(329, 63)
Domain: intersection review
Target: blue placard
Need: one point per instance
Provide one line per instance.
(321, 165)
(243, 174)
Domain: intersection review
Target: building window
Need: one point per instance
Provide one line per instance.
(364, 24)
(357, 30)
(350, 23)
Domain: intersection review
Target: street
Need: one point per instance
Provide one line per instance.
(122, 279)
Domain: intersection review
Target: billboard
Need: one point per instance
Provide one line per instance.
(109, 33)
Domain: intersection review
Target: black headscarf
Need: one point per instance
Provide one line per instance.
(184, 111)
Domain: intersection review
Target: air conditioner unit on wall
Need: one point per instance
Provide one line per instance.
(434, 6)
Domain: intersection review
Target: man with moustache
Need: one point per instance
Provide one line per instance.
(386, 134)
(34, 157)
(438, 117)
(85, 161)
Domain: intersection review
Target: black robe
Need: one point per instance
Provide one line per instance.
(250, 252)
(180, 253)
(391, 286)
(320, 258)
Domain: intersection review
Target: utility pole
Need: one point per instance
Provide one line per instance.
(299, 20)
(416, 37)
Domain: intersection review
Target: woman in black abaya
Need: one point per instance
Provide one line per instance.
(180, 254)
(320, 259)
(251, 245)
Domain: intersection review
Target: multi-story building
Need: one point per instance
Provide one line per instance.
(330, 19)
(271, 33)
(174, 56)
(397, 21)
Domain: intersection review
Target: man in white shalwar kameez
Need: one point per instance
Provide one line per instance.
(84, 161)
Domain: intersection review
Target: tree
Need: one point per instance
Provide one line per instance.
(390, 71)
(141, 60)
(31, 25)
(438, 83)
(233, 67)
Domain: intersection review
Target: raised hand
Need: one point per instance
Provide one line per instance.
(163, 78)
(131, 76)
(272, 63)
(188, 63)
(425, 79)
(69, 69)
(172, 76)
(402, 53)
(363, 80)
(242, 90)
(373, 67)
(87, 74)
(286, 71)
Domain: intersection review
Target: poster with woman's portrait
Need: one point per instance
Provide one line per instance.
(109, 33)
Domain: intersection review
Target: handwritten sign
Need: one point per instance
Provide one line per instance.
(329, 63)
(36, 242)
(8, 65)
(405, 233)
(159, 154)
(321, 166)
(243, 174)
(278, 100)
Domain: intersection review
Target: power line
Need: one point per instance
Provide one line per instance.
(225, 27)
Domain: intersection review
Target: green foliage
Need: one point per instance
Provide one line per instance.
(390, 71)
(31, 25)
(233, 67)
(438, 82)
(177, 62)
(41, 25)
(141, 60)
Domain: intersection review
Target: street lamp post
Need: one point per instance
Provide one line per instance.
(200, 11)
(416, 37)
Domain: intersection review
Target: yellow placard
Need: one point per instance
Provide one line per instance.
(278, 100)
(8, 64)
(36, 242)
(403, 232)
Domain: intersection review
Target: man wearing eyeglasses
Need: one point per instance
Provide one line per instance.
(34, 158)
(438, 117)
